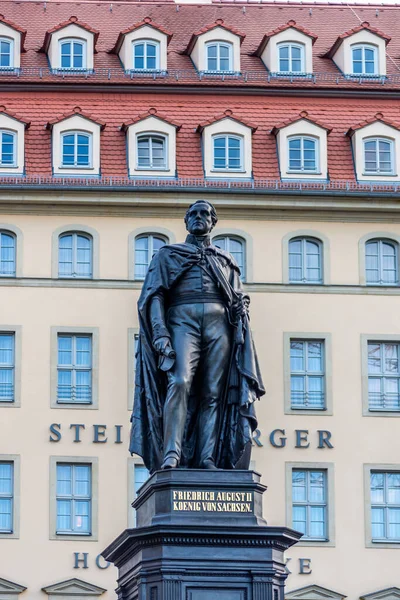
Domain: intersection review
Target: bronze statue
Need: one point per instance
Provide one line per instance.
(197, 374)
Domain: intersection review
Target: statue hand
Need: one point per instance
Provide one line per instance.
(163, 345)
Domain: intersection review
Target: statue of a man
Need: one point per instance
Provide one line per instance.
(197, 373)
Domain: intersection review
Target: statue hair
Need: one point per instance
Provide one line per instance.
(212, 209)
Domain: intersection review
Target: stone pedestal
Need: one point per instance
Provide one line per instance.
(201, 535)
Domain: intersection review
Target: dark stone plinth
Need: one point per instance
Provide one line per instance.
(200, 535)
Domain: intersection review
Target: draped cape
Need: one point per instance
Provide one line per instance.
(243, 379)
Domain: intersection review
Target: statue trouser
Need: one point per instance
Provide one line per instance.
(200, 336)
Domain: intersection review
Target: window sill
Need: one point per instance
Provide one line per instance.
(152, 169)
(379, 175)
(74, 406)
(311, 173)
(220, 73)
(88, 537)
(288, 74)
(319, 543)
(76, 168)
(305, 282)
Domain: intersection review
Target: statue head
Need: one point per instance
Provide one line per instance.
(200, 217)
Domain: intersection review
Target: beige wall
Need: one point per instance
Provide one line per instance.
(34, 560)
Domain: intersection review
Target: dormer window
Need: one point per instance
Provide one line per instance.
(216, 49)
(6, 53)
(146, 55)
(303, 154)
(76, 149)
(8, 148)
(364, 60)
(73, 54)
(152, 152)
(291, 58)
(378, 155)
(228, 151)
(219, 56)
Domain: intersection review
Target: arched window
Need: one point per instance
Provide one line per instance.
(305, 260)
(219, 56)
(378, 156)
(364, 60)
(75, 255)
(76, 149)
(6, 53)
(227, 153)
(7, 254)
(73, 54)
(146, 55)
(145, 248)
(152, 152)
(381, 262)
(236, 247)
(291, 58)
(303, 154)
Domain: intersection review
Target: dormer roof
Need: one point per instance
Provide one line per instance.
(152, 112)
(146, 21)
(377, 117)
(289, 25)
(303, 116)
(77, 111)
(71, 21)
(228, 114)
(365, 26)
(203, 30)
(12, 115)
(16, 28)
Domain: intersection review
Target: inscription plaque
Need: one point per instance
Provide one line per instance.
(212, 501)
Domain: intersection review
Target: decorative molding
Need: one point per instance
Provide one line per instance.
(392, 593)
(314, 592)
(72, 588)
(10, 590)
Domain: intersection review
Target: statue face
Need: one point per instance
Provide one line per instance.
(199, 219)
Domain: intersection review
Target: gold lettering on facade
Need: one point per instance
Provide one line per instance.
(208, 501)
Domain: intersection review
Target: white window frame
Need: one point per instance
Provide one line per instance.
(382, 376)
(75, 460)
(10, 41)
(306, 375)
(239, 169)
(329, 469)
(392, 157)
(380, 242)
(235, 238)
(15, 153)
(73, 498)
(304, 240)
(291, 45)
(12, 235)
(363, 47)
(302, 139)
(145, 42)
(150, 135)
(150, 250)
(76, 132)
(75, 368)
(369, 541)
(75, 235)
(14, 459)
(73, 40)
(218, 44)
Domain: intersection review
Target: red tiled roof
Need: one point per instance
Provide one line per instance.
(71, 21)
(16, 28)
(326, 21)
(300, 117)
(289, 25)
(218, 23)
(145, 21)
(152, 112)
(377, 117)
(72, 113)
(263, 110)
(228, 114)
(4, 111)
(364, 26)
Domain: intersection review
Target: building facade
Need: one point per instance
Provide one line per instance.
(113, 119)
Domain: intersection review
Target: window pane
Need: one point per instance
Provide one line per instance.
(393, 488)
(64, 350)
(317, 522)
(83, 351)
(6, 479)
(394, 523)
(299, 489)
(64, 480)
(317, 486)
(377, 523)
(299, 518)
(6, 514)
